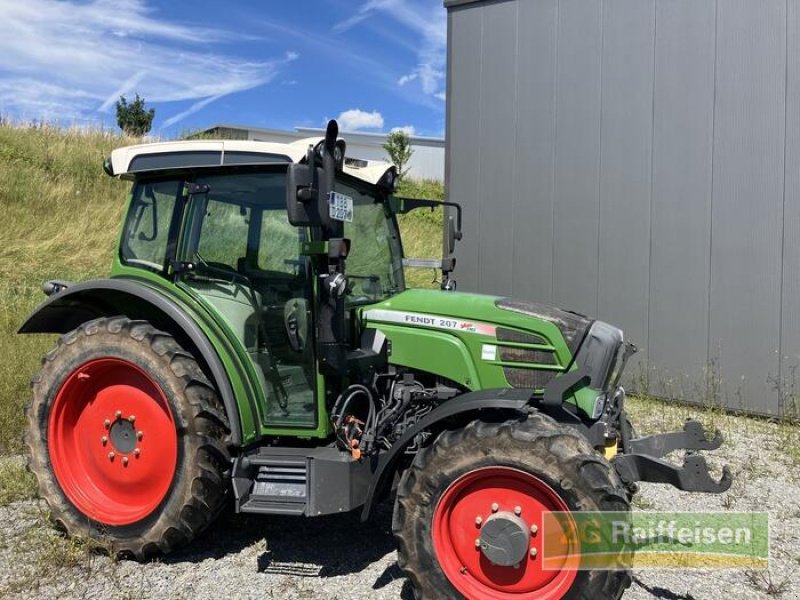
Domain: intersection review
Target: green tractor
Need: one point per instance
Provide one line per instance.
(256, 345)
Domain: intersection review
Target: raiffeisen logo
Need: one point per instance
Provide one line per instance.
(614, 540)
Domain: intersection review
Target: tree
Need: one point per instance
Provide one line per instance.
(398, 147)
(132, 118)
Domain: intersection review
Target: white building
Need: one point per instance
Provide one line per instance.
(427, 161)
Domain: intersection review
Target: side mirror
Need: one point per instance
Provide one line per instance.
(302, 195)
(308, 187)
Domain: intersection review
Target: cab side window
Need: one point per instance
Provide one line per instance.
(144, 241)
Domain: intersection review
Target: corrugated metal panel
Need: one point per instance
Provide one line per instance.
(681, 204)
(462, 173)
(535, 145)
(790, 322)
(655, 180)
(626, 151)
(498, 115)
(747, 201)
(577, 165)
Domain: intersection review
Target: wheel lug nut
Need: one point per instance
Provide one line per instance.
(518, 510)
(107, 424)
(124, 461)
(139, 435)
(132, 419)
(533, 553)
(478, 521)
(104, 440)
(495, 507)
(111, 456)
(136, 452)
(118, 414)
(477, 542)
(534, 529)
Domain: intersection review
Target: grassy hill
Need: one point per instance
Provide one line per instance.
(59, 218)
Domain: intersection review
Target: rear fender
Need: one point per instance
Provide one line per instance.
(76, 304)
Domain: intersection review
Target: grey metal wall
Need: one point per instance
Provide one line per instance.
(638, 160)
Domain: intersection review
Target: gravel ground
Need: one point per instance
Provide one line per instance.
(339, 557)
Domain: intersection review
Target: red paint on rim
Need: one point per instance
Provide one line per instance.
(454, 532)
(130, 486)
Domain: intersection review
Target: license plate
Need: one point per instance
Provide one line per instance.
(340, 207)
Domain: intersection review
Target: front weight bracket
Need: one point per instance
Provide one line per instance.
(692, 476)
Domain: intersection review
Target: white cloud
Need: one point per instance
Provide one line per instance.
(428, 21)
(407, 129)
(355, 119)
(407, 79)
(189, 111)
(363, 14)
(127, 86)
(66, 60)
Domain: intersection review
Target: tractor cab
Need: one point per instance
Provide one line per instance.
(256, 235)
(223, 236)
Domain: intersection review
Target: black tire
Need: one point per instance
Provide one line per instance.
(553, 453)
(193, 494)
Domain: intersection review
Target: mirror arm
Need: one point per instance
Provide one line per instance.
(405, 205)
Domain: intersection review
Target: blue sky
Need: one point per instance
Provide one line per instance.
(376, 65)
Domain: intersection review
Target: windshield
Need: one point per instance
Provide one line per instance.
(375, 262)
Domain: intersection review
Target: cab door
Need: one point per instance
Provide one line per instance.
(245, 264)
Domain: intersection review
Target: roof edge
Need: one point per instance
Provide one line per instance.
(458, 3)
(318, 132)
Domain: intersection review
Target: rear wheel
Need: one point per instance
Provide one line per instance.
(127, 438)
(469, 511)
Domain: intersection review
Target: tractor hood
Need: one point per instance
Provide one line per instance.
(486, 342)
(478, 341)
(481, 314)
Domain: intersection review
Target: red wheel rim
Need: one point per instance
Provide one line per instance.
(112, 441)
(457, 521)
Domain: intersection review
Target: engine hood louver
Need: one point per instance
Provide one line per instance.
(573, 326)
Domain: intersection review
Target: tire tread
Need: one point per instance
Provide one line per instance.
(578, 461)
(205, 491)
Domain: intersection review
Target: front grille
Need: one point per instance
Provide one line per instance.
(528, 378)
(526, 375)
(519, 337)
(541, 357)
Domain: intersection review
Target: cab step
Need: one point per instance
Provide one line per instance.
(300, 481)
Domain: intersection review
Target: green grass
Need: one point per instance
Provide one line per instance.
(422, 230)
(45, 558)
(652, 415)
(16, 482)
(59, 219)
(60, 216)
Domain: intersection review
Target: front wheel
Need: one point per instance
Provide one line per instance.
(127, 438)
(469, 510)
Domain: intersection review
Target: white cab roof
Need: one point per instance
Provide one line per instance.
(130, 160)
